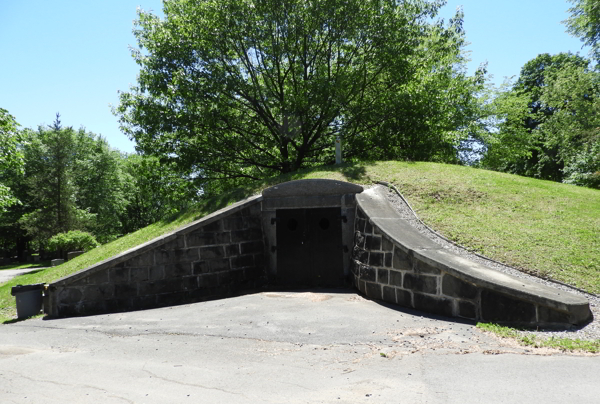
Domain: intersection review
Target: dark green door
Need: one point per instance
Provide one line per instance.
(309, 247)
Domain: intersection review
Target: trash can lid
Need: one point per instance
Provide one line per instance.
(26, 288)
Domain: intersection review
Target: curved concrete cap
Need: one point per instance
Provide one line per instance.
(383, 215)
(311, 187)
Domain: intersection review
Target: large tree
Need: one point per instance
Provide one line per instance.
(584, 23)
(546, 120)
(236, 89)
(11, 157)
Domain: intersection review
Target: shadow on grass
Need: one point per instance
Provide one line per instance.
(18, 265)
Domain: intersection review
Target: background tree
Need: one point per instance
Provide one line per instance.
(584, 23)
(50, 157)
(153, 191)
(532, 135)
(235, 89)
(11, 158)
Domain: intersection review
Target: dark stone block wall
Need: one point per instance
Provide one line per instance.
(219, 256)
(385, 269)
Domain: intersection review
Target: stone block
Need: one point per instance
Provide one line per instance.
(404, 298)
(214, 227)
(200, 267)
(387, 260)
(549, 316)
(70, 295)
(368, 227)
(92, 307)
(383, 276)
(242, 261)
(389, 294)
(386, 244)
(201, 239)
(118, 275)
(368, 273)
(178, 269)
(420, 283)
(156, 273)
(230, 250)
(433, 304)
(467, 310)
(143, 260)
(373, 290)
(452, 286)
(424, 268)
(246, 235)
(401, 260)
(98, 277)
(252, 247)
(362, 287)
(118, 305)
(233, 223)
(177, 242)
(360, 214)
(259, 260)
(219, 265)
(396, 278)
(502, 308)
(143, 302)
(98, 292)
(138, 274)
(360, 225)
(171, 298)
(376, 259)
(373, 243)
(254, 273)
(126, 290)
(207, 253)
(208, 281)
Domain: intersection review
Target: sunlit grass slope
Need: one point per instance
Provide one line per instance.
(542, 227)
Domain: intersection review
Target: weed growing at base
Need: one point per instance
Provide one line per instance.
(525, 339)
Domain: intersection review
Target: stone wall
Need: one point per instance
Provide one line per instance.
(217, 256)
(395, 263)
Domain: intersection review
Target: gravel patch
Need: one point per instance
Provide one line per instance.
(590, 331)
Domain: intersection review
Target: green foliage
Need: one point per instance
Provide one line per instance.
(584, 23)
(49, 158)
(11, 157)
(527, 339)
(236, 90)
(542, 227)
(74, 240)
(546, 123)
(153, 191)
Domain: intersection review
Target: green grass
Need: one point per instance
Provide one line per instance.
(542, 227)
(525, 339)
(28, 265)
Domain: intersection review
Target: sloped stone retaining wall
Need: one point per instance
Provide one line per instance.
(395, 263)
(220, 255)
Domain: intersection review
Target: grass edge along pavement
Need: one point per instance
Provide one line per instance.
(544, 228)
(525, 339)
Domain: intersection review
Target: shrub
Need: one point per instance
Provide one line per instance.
(74, 240)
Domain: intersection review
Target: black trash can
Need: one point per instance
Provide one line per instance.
(29, 299)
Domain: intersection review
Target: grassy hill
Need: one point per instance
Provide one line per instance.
(541, 227)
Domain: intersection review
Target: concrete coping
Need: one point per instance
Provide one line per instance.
(382, 214)
(310, 187)
(160, 240)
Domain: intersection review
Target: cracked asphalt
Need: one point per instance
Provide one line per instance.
(319, 346)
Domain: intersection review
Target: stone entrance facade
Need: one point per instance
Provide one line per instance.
(308, 233)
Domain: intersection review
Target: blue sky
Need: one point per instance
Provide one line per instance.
(72, 56)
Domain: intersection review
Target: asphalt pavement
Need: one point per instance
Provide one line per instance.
(314, 346)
